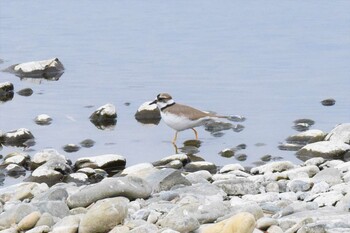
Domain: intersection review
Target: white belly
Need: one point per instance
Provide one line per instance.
(180, 123)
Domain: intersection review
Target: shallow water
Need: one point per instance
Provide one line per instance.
(272, 62)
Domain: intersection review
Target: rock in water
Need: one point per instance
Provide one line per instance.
(148, 114)
(104, 117)
(328, 102)
(18, 137)
(51, 69)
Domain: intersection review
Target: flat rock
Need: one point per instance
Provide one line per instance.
(278, 166)
(238, 186)
(130, 187)
(341, 133)
(106, 162)
(325, 149)
(306, 137)
(104, 215)
(180, 157)
(231, 167)
(332, 176)
(45, 155)
(201, 165)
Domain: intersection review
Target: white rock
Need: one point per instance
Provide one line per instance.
(341, 133)
(29, 67)
(43, 119)
(231, 167)
(328, 149)
(273, 167)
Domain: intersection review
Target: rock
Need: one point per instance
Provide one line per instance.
(314, 161)
(17, 137)
(69, 148)
(108, 162)
(201, 165)
(227, 153)
(77, 178)
(130, 187)
(69, 224)
(239, 223)
(165, 179)
(180, 157)
(273, 167)
(299, 185)
(262, 197)
(46, 219)
(237, 186)
(104, 117)
(231, 167)
(290, 146)
(328, 102)
(199, 177)
(104, 215)
(327, 199)
(341, 133)
(50, 172)
(325, 149)
(303, 124)
(43, 119)
(51, 69)
(87, 143)
(16, 158)
(6, 91)
(15, 214)
(141, 170)
(55, 208)
(217, 126)
(148, 113)
(14, 170)
(180, 219)
(25, 92)
(46, 155)
(332, 176)
(145, 228)
(29, 221)
(39, 229)
(265, 222)
(274, 229)
(306, 137)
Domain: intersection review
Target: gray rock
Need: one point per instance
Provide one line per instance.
(201, 165)
(199, 177)
(55, 208)
(165, 179)
(15, 214)
(341, 133)
(146, 228)
(69, 224)
(130, 187)
(106, 162)
(141, 170)
(232, 167)
(71, 147)
(325, 149)
(16, 158)
(104, 215)
(299, 185)
(25, 92)
(331, 176)
(265, 222)
(181, 157)
(314, 161)
(87, 143)
(180, 219)
(45, 156)
(262, 197)
(327, 199)
(238, 186)
(6, 87)
(46, 219)
(53, 194)
(344, 203)
(328, 102)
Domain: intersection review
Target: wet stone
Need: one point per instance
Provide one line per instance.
(325, 149)
(341, 133)
(241, 157)
(43, 119)
(148, 113)
(227, 153)
(104, 117)
(328, 102)
(87, 143)
(69, 148)
(25, 92)
(108, 162)
(201, 165)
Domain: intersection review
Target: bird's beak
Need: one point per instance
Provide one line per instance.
(154, 102)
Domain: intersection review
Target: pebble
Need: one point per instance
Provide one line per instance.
(43, 119)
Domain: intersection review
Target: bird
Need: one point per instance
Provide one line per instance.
(181, 117)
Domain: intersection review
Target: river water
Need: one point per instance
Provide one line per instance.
(269, 61)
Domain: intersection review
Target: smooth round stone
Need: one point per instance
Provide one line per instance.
(29, 221)
(273, 167)
(69, 148)
(241, 157)
(16, 158)
(104, 215)
(46, 155)
(308, 136)
(201, 165)
(39, 229)
(332, 176)
(272, 187)
(17, 137)
(15, 170)
(67, 224)
(298, 185)
(46, 219)
(107, 161)
(340, 133)
(265, 222)
(25, 92)
(181, 157)
(328, 102)
(325, 149)
(227, 153)
(231, 167)
(104, 117)
(43, 119)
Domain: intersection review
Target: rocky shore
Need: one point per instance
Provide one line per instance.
(175, 195)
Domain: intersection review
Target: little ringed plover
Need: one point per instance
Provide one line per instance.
(181, 117)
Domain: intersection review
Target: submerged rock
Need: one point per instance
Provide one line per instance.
(69, 148)
(25, 92)
(148, 113)
(50, 69)
(303, 124)
(104, 117)
(87, 143)
(328, 102)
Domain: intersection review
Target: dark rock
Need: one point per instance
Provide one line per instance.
(108, 162)
(87, 143)
(201, 165)
(69, 148)
(25, 92)
(328, 102)
(6, 91)
(17, 137)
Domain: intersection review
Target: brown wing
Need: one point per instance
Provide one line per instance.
(192, 113)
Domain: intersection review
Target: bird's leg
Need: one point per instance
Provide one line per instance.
(195, 133)
(175, 137)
